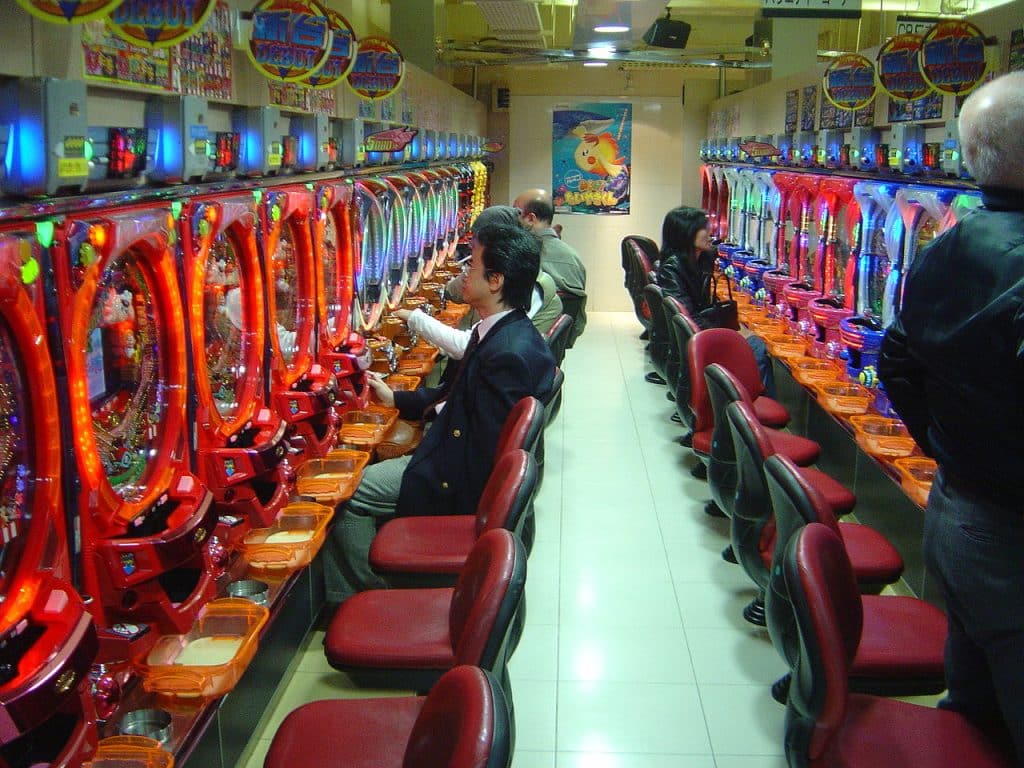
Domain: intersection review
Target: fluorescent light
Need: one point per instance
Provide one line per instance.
(595, 63)
(611, 28)
(601, 52)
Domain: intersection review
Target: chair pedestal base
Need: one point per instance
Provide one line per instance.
(713, 510)
(754, 612)
(654, 378)
(729, 555)
(700, 471)
(780, 688)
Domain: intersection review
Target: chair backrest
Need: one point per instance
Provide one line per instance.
(654, 297)
(486, 598)
(672, 307)
(558, 336)
(753, 526)
(508, 493)
(730, 349)
(723, 389)
(522, 427)
(826, 606)
(551, 403)
(685, 329)
(465, 722)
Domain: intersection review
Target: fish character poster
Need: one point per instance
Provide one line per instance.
(590, 158)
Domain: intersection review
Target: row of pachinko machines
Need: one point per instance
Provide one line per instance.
(819, 263)
(168, 358)
(905, 152)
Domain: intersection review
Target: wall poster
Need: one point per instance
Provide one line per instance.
(792, 109)
(591, 153)
(1016, 50)
(808, 108)
(926, 108)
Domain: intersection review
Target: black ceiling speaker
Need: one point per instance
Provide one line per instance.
(668, 33)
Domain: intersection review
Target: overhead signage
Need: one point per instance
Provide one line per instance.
(849, 82)
(813, 9)
(899, 70)
(290, 40)
(159, 23)
(342, 56)
(69, 11)
(391, 140)
(915, 25)
(378, 70)
(758, 149)
(952, 57)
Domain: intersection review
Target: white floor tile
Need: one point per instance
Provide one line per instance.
(743, 719)
(709, 604)
(526, 759)
(605, 603)
(658, 654)
(605, 760)
(734, 657)
(536, 658)
(535, 712)
(630, 717)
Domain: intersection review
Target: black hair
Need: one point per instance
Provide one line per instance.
(514, 253)
(679, 229)
(542, 208)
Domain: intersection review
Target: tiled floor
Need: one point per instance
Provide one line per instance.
(635, 654)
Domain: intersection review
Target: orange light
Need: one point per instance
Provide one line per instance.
(210, 214)
(98, 235)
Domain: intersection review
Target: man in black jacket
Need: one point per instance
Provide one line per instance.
(506, 360)
(953, 366)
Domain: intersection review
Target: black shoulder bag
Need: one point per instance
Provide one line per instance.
(721, 313)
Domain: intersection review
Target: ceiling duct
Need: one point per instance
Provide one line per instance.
(510, 16)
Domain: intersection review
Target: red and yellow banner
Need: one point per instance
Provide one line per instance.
(342, 56)
(952, 57)
(849, 82)
(379, 69)
(69, 11)
(899, 69)
(290, 40)
(159, 23)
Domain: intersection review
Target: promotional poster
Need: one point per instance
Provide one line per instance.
(590, 158)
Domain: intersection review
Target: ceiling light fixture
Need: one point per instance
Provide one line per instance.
(611, 29)
(595, 63)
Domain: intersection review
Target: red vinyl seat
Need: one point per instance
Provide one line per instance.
(729, 349)
(902, 639)
(522, 427)
(431, 550)
(406, 638)
(682, 328)
(875, 561)
(826, 725)
(464, 722)
(557, 336)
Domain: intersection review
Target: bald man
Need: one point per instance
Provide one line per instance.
(557, 257)
(953, 366)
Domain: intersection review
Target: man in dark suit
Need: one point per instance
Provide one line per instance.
(506, 360)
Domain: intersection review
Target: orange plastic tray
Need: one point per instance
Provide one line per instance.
(334, 478)
(130, 752)
(882, 437)
(843, 397)
(291, 542)
(417, 362)
(366, 427)
(810, 370)
(785, 345)
(401, 383)
(209, 660)
(916, 476)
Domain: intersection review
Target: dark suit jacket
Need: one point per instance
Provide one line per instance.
(451, 465)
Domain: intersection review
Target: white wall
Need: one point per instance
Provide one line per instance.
(664, 153)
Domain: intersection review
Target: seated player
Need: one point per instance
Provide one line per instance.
(506, 359)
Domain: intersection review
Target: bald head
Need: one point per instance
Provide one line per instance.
(991, 132)
(536, 208)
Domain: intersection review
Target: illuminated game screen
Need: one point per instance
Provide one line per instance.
(126, 400)
(332, 288)
(224, 326)
(879, 274)
(15, 473)
(286, 298)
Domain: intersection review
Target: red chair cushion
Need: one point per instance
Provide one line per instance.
(392, 629)
(901, 637)
(800, 450)
(770, 412)
(425, 544)
(702, 441)
(874, 559)
(879, 731)
(356, 733)
(839, 497)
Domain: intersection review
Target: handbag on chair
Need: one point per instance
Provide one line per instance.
(721, 313)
